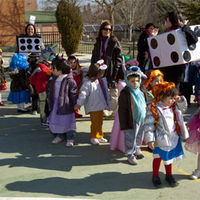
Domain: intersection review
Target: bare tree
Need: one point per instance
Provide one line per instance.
(110, 6)
(126, 10)
(52, 4)
(12, 19)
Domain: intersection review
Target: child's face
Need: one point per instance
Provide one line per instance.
(155, 81)
(168, 101)
(56, 72)
(134, 82)
(73, 63)
(101, 73)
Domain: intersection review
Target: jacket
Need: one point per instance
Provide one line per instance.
(68, 95)
(112, 59)
(19, 81)
(126, 109)
(92, 97)
(161, 135)
(40, 77)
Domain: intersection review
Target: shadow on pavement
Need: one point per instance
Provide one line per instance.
(88, 186)
(32, 144)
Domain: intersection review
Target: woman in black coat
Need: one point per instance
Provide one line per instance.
(107, 47)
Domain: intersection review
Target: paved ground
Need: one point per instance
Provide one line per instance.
(30, 166)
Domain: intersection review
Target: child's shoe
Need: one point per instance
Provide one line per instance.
(94, 141)
(103, 140)
(132, 160)
(195, 174)
(77, 114)
(2, 104)
(34, 112)
(70, 143)
(171, 181)
(45, 124)
(139, 154)
(156, 181)
(57, 140)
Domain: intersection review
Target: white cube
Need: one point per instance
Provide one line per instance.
(170, 48)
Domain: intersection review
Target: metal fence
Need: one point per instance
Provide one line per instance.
(53, 39)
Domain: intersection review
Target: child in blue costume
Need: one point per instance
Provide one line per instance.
(19, 93)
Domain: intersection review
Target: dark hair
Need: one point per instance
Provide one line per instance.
(71, 58)
(149, 25)
(133, 76)
(61, 64)
(103, 25)
(169, 93)
(26, 28)
(174, 19)
(93, 71)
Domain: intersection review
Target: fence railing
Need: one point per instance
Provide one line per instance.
(53, 39)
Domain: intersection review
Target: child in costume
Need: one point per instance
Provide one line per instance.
(94, 96)
(62, 97)
(117, 136)
(193, 142)
(78, 76)
(132, 111)
(155, 77)
(2, 78)
(19, 88)
(38, 80)
(164, 127)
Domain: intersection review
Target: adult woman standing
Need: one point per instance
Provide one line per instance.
(107, 47)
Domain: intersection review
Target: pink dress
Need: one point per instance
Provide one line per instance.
(193, 142)
(117, 136)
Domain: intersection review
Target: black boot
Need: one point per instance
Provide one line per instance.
(156, 181)
(171, 181)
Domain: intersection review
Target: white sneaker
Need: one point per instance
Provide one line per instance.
(132, 160)
(45, 124)
(195, 174)
(103, 140)
(139, 154)
(34, 112)
(70, 143)
(94, 141)
(57, 140)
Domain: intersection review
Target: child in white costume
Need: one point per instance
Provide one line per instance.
(164, 125)
(94, 96)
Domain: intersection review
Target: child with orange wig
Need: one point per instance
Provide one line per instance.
(154, 77)
(164, 127)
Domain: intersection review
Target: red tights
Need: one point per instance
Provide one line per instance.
(156, 166)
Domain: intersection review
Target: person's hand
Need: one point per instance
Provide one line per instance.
(177, 98)
(76, 107)
(151, 145)
(155, 31)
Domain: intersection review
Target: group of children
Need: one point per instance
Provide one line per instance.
(148, 107)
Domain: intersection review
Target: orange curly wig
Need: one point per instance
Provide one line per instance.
(154, 74)
(158, 90)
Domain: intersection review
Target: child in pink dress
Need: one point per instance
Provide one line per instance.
(117, 136)
(193, 142)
